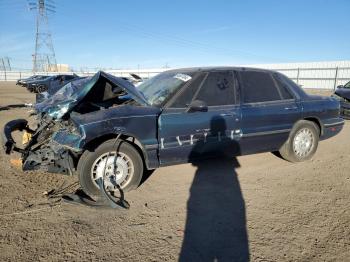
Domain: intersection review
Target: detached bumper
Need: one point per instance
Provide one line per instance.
(8, 142)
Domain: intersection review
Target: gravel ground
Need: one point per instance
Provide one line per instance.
(256, 206)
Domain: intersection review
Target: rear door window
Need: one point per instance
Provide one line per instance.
(282, 87)
(259, 87)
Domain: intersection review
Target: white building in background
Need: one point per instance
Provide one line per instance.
(325, 75)
(60, 68)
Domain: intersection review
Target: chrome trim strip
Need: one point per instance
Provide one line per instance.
(267, 133)
(272, 102)
(150, 147)
(120, 117)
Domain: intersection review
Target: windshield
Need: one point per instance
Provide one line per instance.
(347, 85)
(160, 88)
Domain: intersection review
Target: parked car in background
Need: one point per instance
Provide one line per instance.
(24, 81)
(45, 86)
(342, 93)
(53, 87)
(51, 83)
(175, 117)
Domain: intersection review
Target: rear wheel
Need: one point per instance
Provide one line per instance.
(124, 168)
(302, 142)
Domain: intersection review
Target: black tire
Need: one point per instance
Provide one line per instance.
(287, 150)
(89, 157)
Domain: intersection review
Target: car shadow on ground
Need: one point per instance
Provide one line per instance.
(216, 218)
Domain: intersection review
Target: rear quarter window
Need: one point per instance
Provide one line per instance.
(282, 87)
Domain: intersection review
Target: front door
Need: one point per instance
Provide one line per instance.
(186, 135)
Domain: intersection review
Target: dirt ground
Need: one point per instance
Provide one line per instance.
(256, 206)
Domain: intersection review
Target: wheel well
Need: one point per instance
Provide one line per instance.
(317, 122)
(91, 145)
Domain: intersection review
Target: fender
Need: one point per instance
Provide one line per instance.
(137, 123)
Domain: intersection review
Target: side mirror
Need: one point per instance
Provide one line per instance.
(341, 86)
(197, 106)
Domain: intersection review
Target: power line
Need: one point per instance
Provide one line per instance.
(199, 46)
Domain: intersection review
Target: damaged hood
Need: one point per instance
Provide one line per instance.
(343, 92)
(69, 96)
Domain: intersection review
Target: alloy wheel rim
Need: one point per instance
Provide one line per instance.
(303, 142)
(118, 170)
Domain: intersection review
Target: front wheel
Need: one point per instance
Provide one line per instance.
(124, 168)
(302, 142)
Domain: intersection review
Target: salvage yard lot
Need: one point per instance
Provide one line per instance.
(291, 211)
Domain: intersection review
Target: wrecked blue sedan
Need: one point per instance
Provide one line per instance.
(104, 127)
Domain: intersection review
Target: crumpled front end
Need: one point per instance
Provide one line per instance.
(57, 142)
(38, 150)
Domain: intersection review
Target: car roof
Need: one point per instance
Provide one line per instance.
(234, 68)
(219, 68)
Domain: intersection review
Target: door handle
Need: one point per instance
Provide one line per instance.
(291, 108)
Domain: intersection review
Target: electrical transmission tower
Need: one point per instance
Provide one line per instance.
(44, 57)
(5, 64)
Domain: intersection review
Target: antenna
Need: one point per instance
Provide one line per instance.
(44, 58)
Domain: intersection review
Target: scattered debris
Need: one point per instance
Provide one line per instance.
(80, 198)
(17, 163)
(61, 190)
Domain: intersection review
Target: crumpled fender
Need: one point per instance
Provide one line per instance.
(139, 122)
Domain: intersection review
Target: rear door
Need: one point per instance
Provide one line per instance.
(188, 135)
(269, 111)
